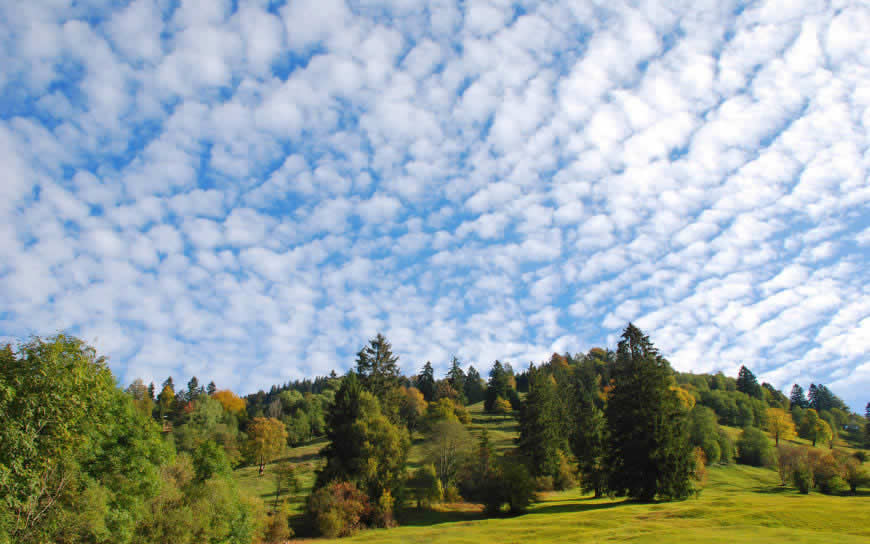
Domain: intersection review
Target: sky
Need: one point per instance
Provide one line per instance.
(248, 190)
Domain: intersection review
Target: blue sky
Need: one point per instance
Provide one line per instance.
(248, 190)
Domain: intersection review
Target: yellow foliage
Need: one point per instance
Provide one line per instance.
(685, 398)
(229, 400)
(780, 424)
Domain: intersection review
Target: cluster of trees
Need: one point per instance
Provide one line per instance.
(83, 461)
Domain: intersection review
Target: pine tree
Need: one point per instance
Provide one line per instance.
(151, 390)
(456, 379)
(649, 452)
(377, 368)
(797, 398)
(193, 388)
(539, 438)
(474, 389)
(867, 426)
(813, 397)
(426, 382)
(747, 383)
(211, 388)
(499, 386)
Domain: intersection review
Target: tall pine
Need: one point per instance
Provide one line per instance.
(747, 383)
(797, 397)
(426, 382)
(649, 452)
(589, 438)
(377, 367)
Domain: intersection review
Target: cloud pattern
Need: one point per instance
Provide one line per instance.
(247, 190)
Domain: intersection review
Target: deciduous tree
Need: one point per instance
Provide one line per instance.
(267, 438)
(780, 424)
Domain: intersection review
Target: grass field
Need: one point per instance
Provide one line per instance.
(737, 504)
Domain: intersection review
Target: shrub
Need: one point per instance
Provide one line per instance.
(827, 472)
(338, 509)
(544, 483)
(425, 486)
(754, 448)
(788, 459)
(278, 528)
(726, 447)
(803, 478)
(451, 494)
(855, 474)
(565, 476)
(517, 485)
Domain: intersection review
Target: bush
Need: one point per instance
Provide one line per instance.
(425, 486)
(788, 459)
(754, 448)
(544, 483)
(278, 528)
(827, 472)
(518, 488)
(855, 474)
(803, 478)
(338, 509)
(451, 494)
(726, 447)
(565, 476)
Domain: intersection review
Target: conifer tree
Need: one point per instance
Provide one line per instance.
(589, 439)
(474, 389)
(649, 451)
(797, 397)
(377, 367)
(747, 383)
(456, 379)
(867, 426)
(426, 382)
(210, 390)
(539, 427)
(813, 397)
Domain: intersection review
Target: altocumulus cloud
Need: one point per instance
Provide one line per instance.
(248, 190)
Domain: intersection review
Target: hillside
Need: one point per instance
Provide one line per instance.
(738, 503)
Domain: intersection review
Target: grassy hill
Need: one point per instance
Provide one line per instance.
(738, 503)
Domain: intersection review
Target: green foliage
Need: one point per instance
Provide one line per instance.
(727, 450)
(734, 408)
(474, 388)
(540, 438)
(425, 486)
(649, 453)
(365, 447)
(814, 428)
(704, 432)
(827, 472)
(803, 479)
(76, 453)
(267, 438)
(448, 443)
(501, 385)
(456, 379)
(754, 448)
(747, 383)
(797, 398)
(425, 382)
(210, 461)
(855, 474)
(589, 438)
(377, 367)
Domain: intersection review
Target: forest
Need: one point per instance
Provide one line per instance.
(86, 460)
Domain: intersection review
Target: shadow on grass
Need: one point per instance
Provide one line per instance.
(421, 517)
(577, 507)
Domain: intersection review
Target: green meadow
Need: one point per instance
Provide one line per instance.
(737, 504)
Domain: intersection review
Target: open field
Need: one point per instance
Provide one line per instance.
(738, 504)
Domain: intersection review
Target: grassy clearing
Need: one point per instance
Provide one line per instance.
(738, 503)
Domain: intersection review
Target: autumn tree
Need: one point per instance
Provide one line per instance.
(141, 397)
(267, 438)
(780, 424)
(814, 428)
(230, 401)
(412, 408)
(649, 452)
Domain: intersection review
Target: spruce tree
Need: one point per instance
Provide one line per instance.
(456, 379)
(649, 452)
(497, 387)
(211, 389)
(426, 382)
(539, 425)
(377, 367)
(747, 383)
(474, 389)
(589, 439)
(797, 397)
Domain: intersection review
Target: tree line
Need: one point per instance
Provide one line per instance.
(82, 460)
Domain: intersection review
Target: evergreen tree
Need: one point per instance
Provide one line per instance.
(193, 389)
(456, 379)
(797, 398)
(813, 397)
(474, 389)
(649, 452)
(867, 426)
(589, 439)
(747, 383)
(539, 439)
(151, 390)
(426, 382)
(212, 388)
(499, 386)
(168, 383)
(377, 368)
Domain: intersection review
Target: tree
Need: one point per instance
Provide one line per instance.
(589, 442)
(139, 392)
(867, 426)
(448, 444)
(649, 451)
(754, 448)
(377, 367)
(193, 389)
(780, 424)
(364, 446)
(456, 379)
(77, 458)
(211, 389)
(425, 486)
(747, 383)
(165, 401)
(285, 481)
(539, 439)
(230, 401)
(814, 428)
(412, 407)
(813, 397)
(426, 382)
(500, 385)
(474, 388)
(267, 438)
(502, 406)
(797, 397)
